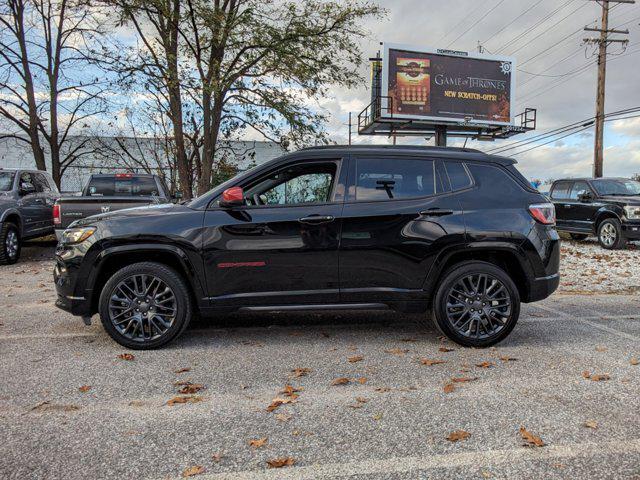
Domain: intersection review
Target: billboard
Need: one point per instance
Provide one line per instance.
(443, 86)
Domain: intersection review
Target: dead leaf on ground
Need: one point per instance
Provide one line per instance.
(341, 381)
(591, 424)
(485, 365)
(282, 417)
(84, 388)
(192, 471)
(383, 389)
(47, 406)
(634, 361)
(596, 377)
(428, 362)
(183, 370)
(190, 388)
(290, 391)
(458, 435)
(446, 349)
(216, 457)
(601, 349)
(126, 356)
(449, 388)
(300, 372)
(280, 462)
(397, 351)
(463, 379)
(355, 358)
(377, 417)
(276, 402)
(258, 442)
(360, 401)
(531, 439)
(181, 400)
(508, 359)
(362, 380)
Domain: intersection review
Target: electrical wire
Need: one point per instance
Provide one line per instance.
(512, 21)
(476, 23)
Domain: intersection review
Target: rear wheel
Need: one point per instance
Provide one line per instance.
(145, 306)
(610, 234)
(9, 243)
(476, 304)
(579, 236)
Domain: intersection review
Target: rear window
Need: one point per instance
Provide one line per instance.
(458, 175)
(494, 178)
(561, 190)
(123, 186)
(394, 179)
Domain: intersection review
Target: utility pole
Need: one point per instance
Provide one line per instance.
(603, 43)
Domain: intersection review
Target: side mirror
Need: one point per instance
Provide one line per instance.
(232, 197)
(27, 189)
(177, 195)
(585, 197)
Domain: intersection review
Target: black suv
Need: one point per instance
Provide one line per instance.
(607, 207)
(406, 228)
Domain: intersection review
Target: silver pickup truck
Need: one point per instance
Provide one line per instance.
(107, 193)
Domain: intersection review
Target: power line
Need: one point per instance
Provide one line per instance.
(469, 15)
(513, 21)
(476, 23)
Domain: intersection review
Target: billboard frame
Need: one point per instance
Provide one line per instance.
(449, 121)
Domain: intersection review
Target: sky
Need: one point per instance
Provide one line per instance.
(555, 47)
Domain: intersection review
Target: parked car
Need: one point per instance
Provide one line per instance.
(606, 207)
(26, 203)
(453, 231)
(109, 193)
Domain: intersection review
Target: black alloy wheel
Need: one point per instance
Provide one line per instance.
(477, 304)
(145, 305)
(9, 243)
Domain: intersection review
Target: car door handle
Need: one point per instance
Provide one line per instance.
(315, 219)
(567, 206)
(436, 212)
(38, 200)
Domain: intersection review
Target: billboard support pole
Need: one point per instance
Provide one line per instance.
(441, 135)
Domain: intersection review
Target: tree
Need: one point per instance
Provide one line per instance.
(48, 89)
(227, 67)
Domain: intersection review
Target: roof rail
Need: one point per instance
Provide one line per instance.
(393, 147)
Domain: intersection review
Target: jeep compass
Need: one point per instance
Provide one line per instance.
(456, 234)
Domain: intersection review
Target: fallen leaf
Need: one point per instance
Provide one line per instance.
(634, 361)
(485, 365)
(340, 381)
(280, 462)
(301, 372)
(360, 401)
(446, 349)
(508, 359)
(258, 442)
(187, 399)
(458, 435)
(276, 402)
(591, 424)
(428, 362)
(84, 388)
(183, 370)
(190, 388)
(596, 378)
(362, 380)
(377, 417)
(355, 358)
(290, 391)
(463, 379)
(449, 388)
(383, 389)
(48, 406)
(126, 356)
(192, 471)
(281, 417)
(531, 439)
(216, 457)
(397, 351)
(601, 349)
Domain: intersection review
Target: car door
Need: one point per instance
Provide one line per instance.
(559, 195)
(29, 204)
(397, 216)
(582, 210)
(281, 247)
(48, 197)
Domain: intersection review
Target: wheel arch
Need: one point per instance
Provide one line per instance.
(13, 216)
(604, 215)
(113, 259)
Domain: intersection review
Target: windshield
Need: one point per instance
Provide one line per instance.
(617, 187)
(204, 199)
(6, 181)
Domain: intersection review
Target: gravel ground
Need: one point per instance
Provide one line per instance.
(71, 408)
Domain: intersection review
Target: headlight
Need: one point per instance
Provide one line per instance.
(632, 213)
(76, 235)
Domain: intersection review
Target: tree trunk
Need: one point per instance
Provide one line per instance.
(212, 119)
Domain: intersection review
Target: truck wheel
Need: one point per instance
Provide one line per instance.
(610, 234)
(476, 304)
(579, 236)
(9, 243)
(145, 305)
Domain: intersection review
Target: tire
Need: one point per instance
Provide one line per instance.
(610, 235)
(503, 318)
(10, 244)
(579, 236)
(144, 321)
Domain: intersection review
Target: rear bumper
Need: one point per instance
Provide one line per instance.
(543, 287)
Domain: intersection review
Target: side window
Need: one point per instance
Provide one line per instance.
(294, 185)
(561, 190)
(578, 189)
(394, 179)
(493, 178)
(458, 175)
(41, 182)
(26, 180)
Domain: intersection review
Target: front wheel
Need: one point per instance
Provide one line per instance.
(9, 243)
(476, 304)
(610, 234)
(145, 306)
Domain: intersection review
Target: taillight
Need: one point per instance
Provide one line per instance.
(544, 213)
(56, 215)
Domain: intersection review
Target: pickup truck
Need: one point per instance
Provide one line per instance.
(26, 203)
(105, 193)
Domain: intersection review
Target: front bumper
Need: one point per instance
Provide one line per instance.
(59, 232)
(73, 297)
(631, 230)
